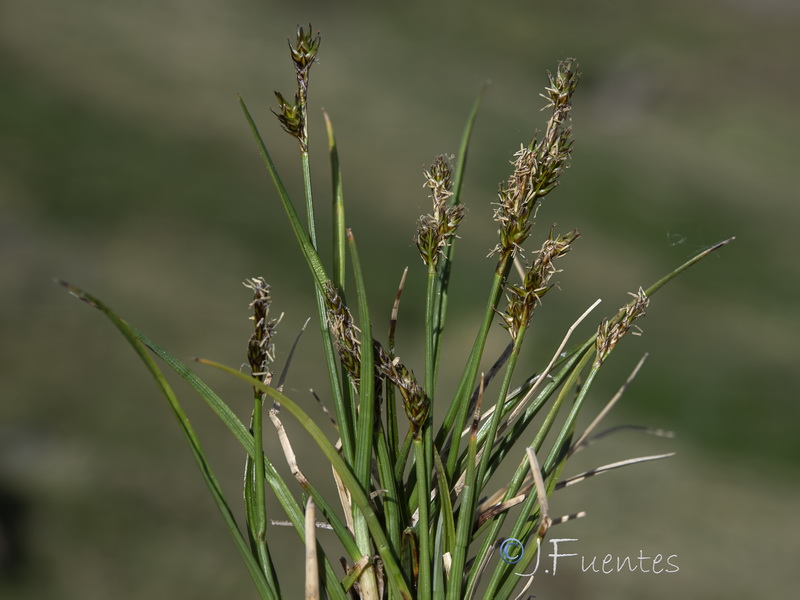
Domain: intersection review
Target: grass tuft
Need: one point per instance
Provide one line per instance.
(418, 518)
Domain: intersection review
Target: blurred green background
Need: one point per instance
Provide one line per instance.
(127, 169)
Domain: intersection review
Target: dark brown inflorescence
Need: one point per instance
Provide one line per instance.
(294, 116)
(348, 345)
(260, 348)
(436, 229)
(522, 299)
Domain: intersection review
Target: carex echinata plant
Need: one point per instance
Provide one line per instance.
(415, 516)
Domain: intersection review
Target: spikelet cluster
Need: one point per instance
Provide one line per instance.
(522, 299)
(613, 330)
(293, 116)
(538, 167)
(436, 229)
(260, 348)
(348, 346)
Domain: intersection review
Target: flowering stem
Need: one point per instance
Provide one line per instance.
(423, 526)
(457, 412)
(259, 526)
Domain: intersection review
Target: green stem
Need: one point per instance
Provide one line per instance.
(574, 371)
(339, 262)
(497, 415)
(366, 410)
(500, 572)
(430, 383)
(438, 592)
(365, 423)
(312, 227)
(391, 495)
(446, 262)
(282, 493)
(259, 527)
(512, 580)
(392, 436)
(430, 296)
(423, 525)
(402, 456)
(505, 443)
(265, 590)
(340, 396)
(320, 277)
(309, 253)
(457, 413)
(499, 411)
(391, 395)
(358, 493)
(466, 514)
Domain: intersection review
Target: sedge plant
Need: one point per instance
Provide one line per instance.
(415, 515)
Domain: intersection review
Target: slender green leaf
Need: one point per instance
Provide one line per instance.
(692, 261)
(494, 422)
(264, 589)
(258, 521)
(303, 240)
(441, 292)
(285, 498)
(522, 470)
(457, 412)
(366, 411)
(310, 220)
(461, 160)
(438, 591)
(339, 263)
(466, 516)
(391, 491)
(358, 494)
(511, 579)
(504, 444)
(320, 277)
(446, 504)
(222, 410)
(365, 424)
(423, 524)
(402, 456)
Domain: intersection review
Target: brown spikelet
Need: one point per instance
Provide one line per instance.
(537, 168)
(344, 332)
(415, 402)
(436, 229)
(613, 330)
(348, 345)
(522, 299)
(260, 348)
(294, 116)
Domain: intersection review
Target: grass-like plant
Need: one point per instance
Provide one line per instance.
(416, 517)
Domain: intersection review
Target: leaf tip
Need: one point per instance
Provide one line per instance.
(77, 292)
